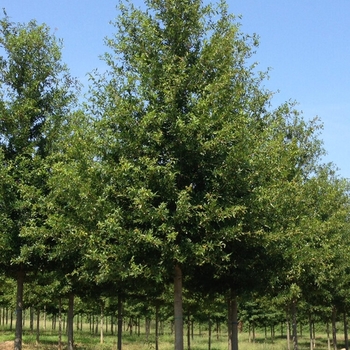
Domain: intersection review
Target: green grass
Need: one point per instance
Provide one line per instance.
(86, 341)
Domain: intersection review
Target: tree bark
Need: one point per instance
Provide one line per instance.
(334, 327)
(37, 326)
(311, 334)
(120, 322)
(233, 321)
(188, 331)
(31, 318)
(70, 324)
(294, 325)
(328, 337)
(11, 320)
(209, 334)
(178, 312)
(19, 310)
(60, 324)
(288, 329)
(346, 338)
(157, 326)
(101, 322)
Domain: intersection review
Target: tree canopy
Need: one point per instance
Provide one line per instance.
(176, 169)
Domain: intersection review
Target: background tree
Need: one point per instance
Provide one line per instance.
(36, 93)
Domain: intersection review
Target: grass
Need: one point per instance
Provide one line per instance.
(86, 341)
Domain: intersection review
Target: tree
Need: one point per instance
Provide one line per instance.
(36, 93)
(187, 142)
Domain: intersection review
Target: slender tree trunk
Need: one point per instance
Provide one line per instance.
(77, 323)
(311, 333)
(233, 321)
(31, 319)
(334, 327)
(70, 322)
(19, 310)
(217, 329)
(60, 324)
(346, 338)
(188, 331)
(178, 313)
(45, 318)
(209, 334)
(37, 326)
(101, 322)
(281, 329)
(11, 320)
(147, 327)
(120, 323)
(157, 326)
(294, 325)
(96, 326)
(328, 337)
(229, 324)
(288, 329)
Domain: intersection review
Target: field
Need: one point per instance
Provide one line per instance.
(84, 340)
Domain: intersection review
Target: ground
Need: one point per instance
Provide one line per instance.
(7, 345)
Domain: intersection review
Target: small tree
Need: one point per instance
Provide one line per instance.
(35, 95)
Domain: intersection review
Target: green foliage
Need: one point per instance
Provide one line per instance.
(36, 93)
(188, 144)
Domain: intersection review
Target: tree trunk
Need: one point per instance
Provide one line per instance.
(217, 329)
(209, 334)
(70, 324)
(96, 326)
(188, 331)
(294, 325)
(346, 339)
(233, 322)
(288, 330)
(334, 327)
(311, 333)
(11, 320)
(45, 318)
(147, 327)
(157, 326)
(112, 323)
(101, 322)
(19, 310)
(60, 324)
(328, 337)
(120, 322)
(31, 319)
(229, 325)
(178, 313)
(37, 326)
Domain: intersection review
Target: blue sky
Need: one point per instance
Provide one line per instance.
(305, 43)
